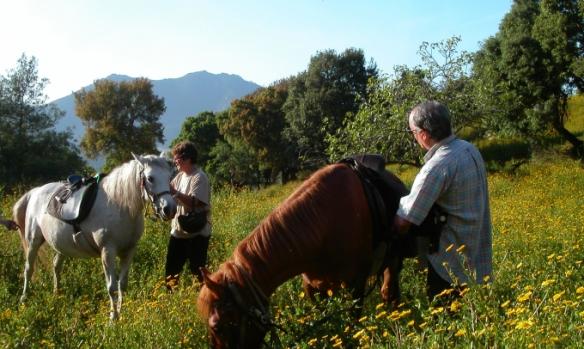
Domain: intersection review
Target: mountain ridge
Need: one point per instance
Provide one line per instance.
(184, 96)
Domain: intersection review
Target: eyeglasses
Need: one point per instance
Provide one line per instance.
(416, 131)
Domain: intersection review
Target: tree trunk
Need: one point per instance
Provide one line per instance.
(578, 145)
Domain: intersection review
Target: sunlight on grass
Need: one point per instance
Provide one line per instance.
(535, 301)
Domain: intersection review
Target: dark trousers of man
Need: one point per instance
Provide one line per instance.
(179, 251)
(435, 284)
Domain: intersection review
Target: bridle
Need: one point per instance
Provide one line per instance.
(254, 313)
(153, 197)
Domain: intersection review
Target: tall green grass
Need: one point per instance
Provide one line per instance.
(535, 301)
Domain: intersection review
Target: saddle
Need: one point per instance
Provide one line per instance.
(73, 200)
(383, 191)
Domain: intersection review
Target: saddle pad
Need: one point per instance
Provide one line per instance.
(70, 205)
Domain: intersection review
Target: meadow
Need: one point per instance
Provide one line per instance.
(536, 299)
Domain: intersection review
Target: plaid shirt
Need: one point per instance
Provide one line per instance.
(454, 177)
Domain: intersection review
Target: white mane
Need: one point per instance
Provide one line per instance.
(122, 187)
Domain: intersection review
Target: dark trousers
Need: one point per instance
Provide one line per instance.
(435, 284)
(180, 250)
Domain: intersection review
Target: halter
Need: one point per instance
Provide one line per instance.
(255, 314)
(153, 197)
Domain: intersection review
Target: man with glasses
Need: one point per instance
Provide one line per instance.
(454, 178)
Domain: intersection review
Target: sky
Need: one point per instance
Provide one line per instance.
(79, 41)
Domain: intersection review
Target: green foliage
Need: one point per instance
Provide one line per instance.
(202, 130)
(529, 68)
(536, 298)
(381, 122)
(575, 121)
(235, 165)
(258, 121)
(30, 150)
(504, 153)
(320, 98)
(119, 118)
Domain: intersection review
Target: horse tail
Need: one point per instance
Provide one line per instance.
(19, 216)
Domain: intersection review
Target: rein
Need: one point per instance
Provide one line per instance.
(258, 313)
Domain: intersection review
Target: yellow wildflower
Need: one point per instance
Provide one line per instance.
(358, 334)
(411, 323)
(558, 295)
(505, 304)
(524, 297)
(455, 306)
(580, 290)
(523, 325)
(548, 282)
(329, 292)
(460, 333)
(380, 314)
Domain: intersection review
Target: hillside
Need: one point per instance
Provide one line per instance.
(184, 96)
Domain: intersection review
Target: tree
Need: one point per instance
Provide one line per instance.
(202, 130)
(30, 149)
(380, 124)
(531, 66)
(320, 99)
(119, 118)
(258, 121)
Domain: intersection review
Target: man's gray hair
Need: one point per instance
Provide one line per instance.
(434, 118)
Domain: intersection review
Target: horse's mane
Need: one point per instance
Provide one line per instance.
(122, 185)
(277, 232)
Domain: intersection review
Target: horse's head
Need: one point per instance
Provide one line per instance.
(155, 176)
(234, 319)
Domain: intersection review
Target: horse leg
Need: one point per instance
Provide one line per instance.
(390, 292)
(31, 253)
(358, 293)
(125, 261)
(57, 268)
(108, 260)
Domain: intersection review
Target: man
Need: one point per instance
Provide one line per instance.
(192, 191)
(453, 177)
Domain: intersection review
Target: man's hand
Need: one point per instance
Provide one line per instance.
(400, 226)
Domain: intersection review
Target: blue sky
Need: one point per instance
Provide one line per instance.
(78, 41)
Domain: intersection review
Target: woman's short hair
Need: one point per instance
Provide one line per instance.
(434, 118)
(185, 150)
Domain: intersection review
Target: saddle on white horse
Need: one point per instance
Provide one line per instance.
(73, 201)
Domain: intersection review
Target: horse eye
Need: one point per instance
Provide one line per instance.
(150, 179)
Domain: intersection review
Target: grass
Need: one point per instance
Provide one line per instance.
(535, 301)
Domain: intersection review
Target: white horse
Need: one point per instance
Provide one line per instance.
(112, 228)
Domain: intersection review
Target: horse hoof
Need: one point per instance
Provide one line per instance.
(113, 316)
(22, 299)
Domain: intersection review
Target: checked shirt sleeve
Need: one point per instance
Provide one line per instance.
(427, 187)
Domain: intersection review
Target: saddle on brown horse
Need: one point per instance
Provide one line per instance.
(383, 190)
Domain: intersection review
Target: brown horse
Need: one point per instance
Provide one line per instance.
(323, 231)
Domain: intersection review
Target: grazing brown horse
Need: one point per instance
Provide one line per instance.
(323, 231)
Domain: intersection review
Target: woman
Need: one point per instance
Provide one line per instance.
(191, 191)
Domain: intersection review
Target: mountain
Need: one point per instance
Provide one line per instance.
(183, 97)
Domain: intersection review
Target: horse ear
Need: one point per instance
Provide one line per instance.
(212, 285)
(138, 158)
